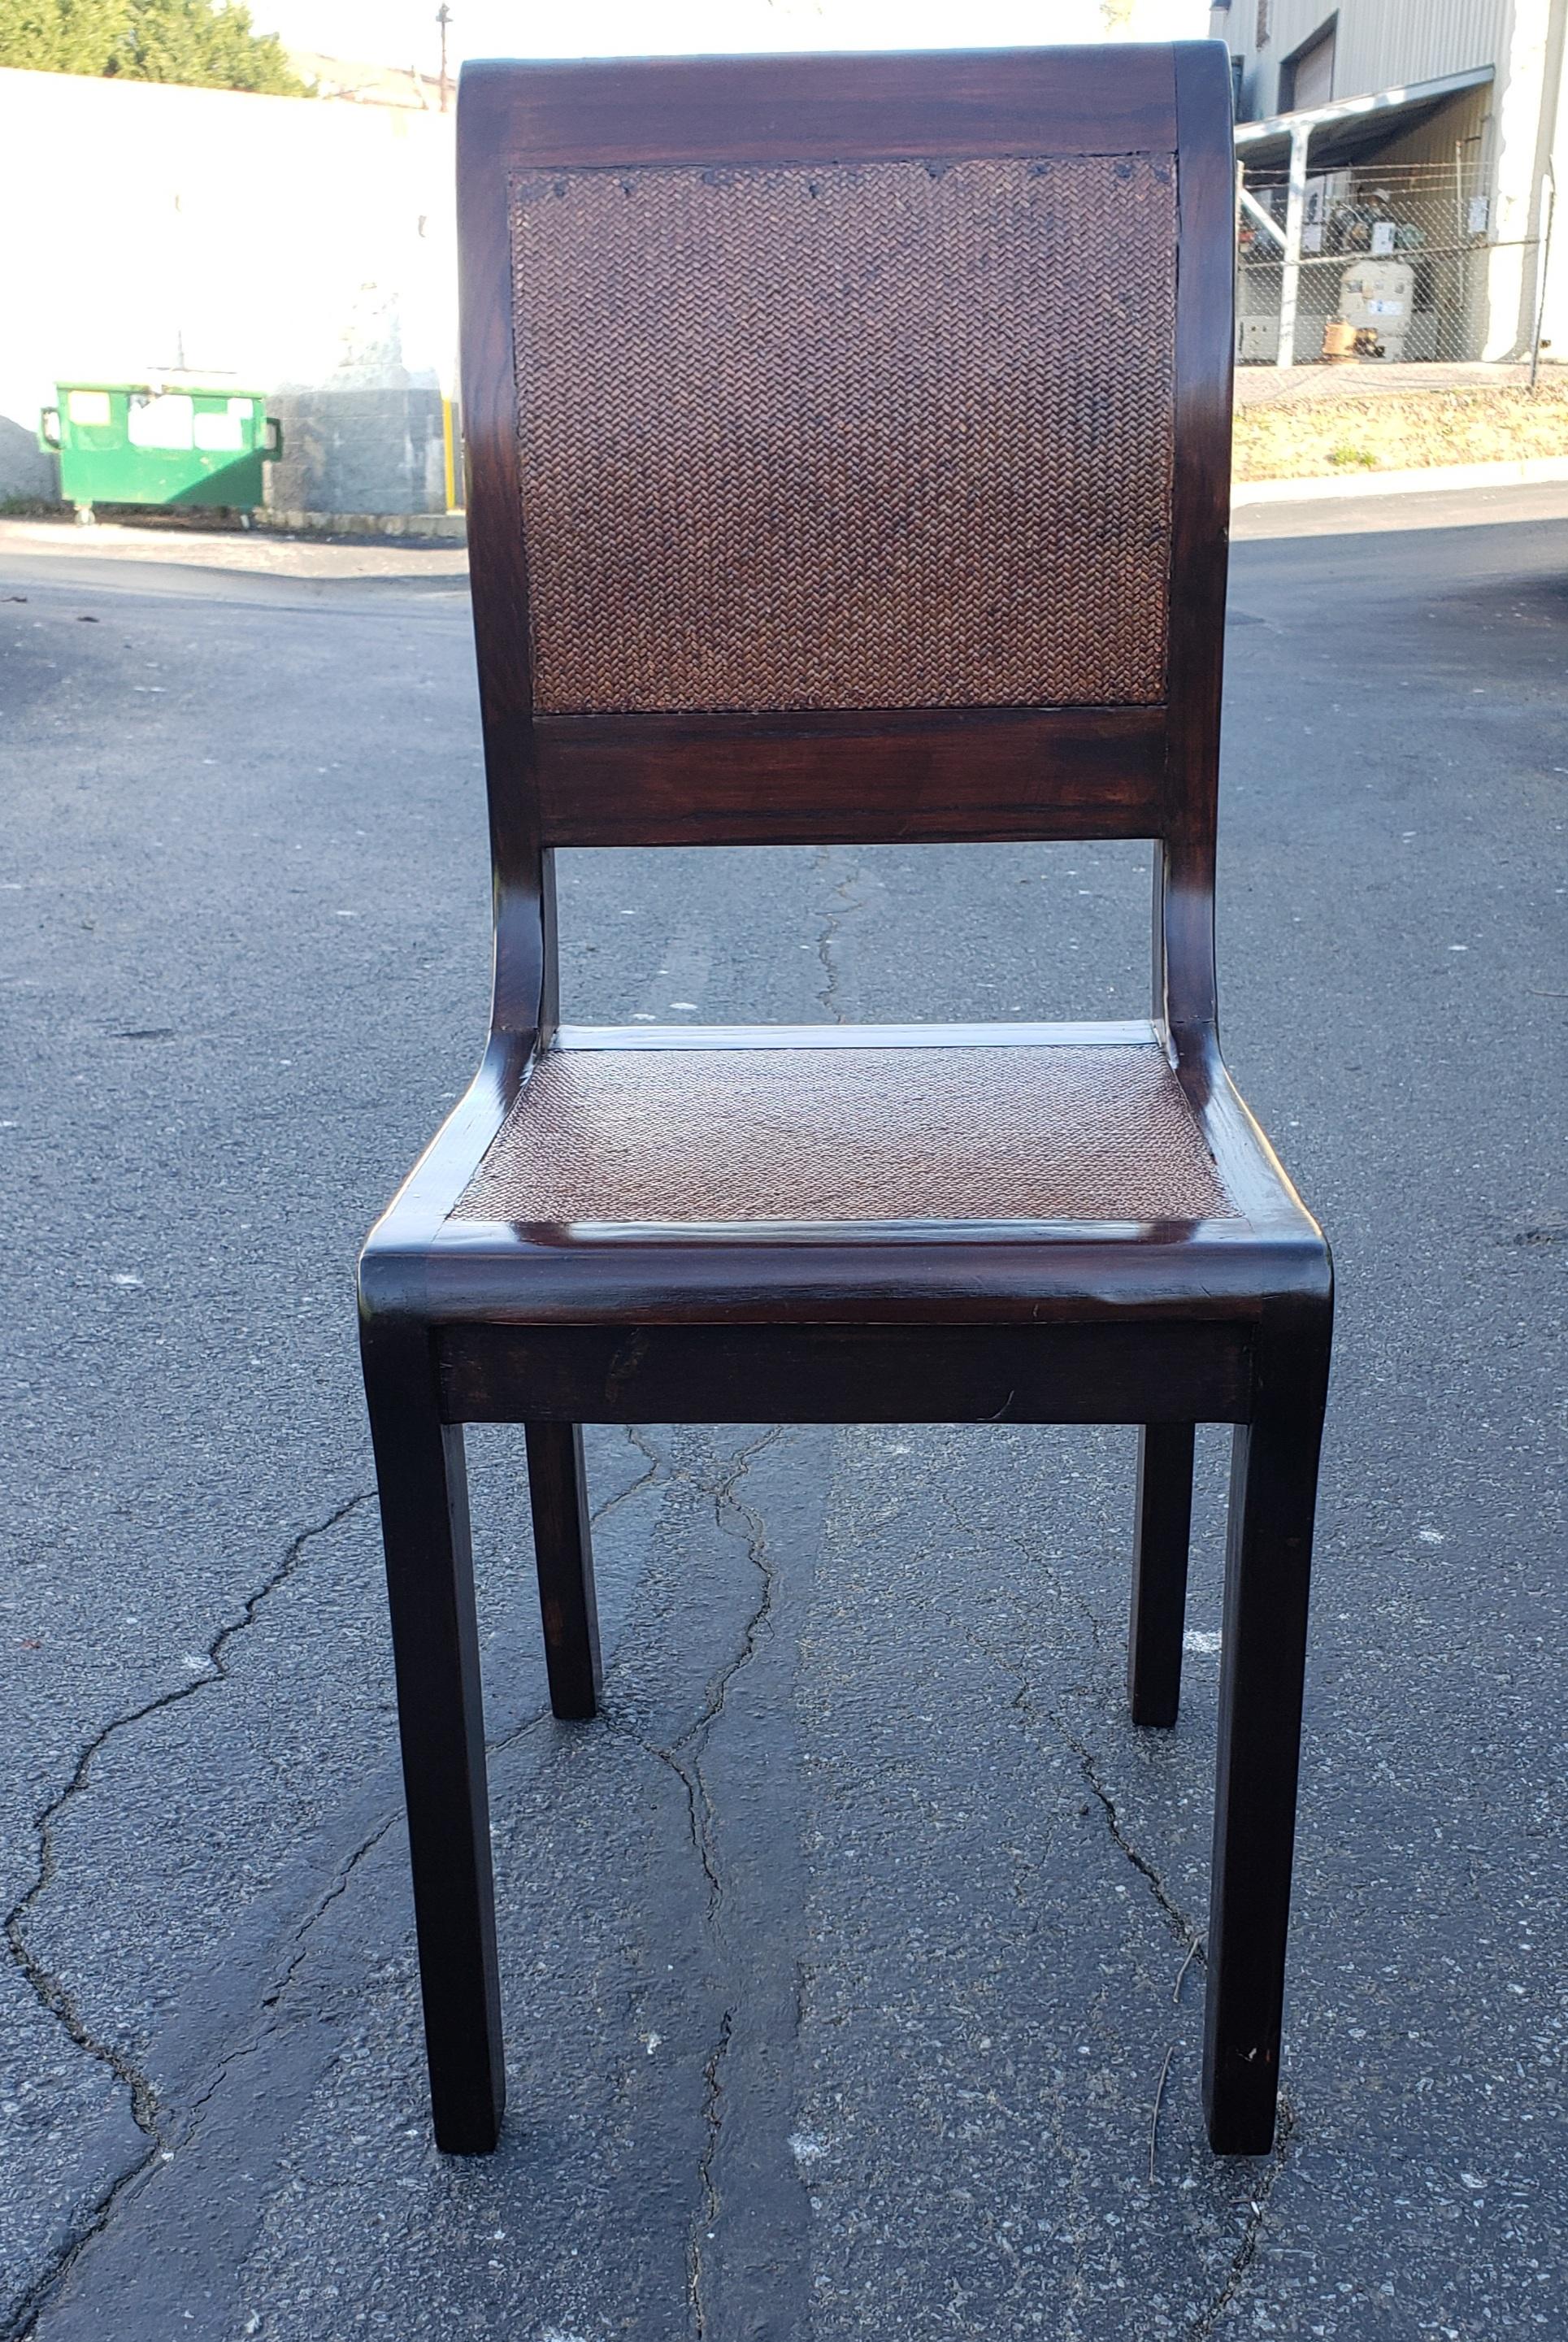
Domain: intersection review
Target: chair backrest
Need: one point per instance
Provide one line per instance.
(848, 445)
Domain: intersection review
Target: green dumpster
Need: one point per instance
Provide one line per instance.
(153, 443)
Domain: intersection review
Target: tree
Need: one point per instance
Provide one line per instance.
(208, 43)
(75, 37)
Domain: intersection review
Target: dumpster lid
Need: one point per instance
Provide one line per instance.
(154, 386)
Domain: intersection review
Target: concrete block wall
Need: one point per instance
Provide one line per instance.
(294, 246)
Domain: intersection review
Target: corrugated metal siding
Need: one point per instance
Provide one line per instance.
(1380, 45)
(1462, 122)
(1386, 43)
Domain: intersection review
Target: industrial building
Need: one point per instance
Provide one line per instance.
(1397, 161)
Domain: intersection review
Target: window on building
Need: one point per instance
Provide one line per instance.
(1307, 78)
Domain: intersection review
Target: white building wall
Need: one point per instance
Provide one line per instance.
(1529, 282)
(303, 249)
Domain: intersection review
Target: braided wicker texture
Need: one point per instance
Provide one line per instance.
(1100, 1132)
(892, 435)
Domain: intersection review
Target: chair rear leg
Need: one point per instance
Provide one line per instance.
(1160, 1571)
(562, 1548)
(1274, 1489)
(423, 1495)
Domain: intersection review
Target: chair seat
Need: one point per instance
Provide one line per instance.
(837, 1174)
(983, 1127)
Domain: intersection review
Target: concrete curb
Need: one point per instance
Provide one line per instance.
(447, 529)
(1430, 480)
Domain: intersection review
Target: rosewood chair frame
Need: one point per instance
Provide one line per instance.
(1163, 1325)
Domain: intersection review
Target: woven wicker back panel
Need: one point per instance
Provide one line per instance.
(894, 434)
(863, 1134)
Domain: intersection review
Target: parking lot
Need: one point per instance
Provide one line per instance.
(844, 1955)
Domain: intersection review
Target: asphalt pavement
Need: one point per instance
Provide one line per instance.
(852, 1959)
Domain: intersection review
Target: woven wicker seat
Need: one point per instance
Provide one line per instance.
(870, 1133)
(847, 452)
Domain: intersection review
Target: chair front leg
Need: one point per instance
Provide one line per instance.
(1160, 1572)
(1273, 1491)
(564, 1551)
(424, 1493)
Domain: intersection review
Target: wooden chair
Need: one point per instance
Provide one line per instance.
(848, 446)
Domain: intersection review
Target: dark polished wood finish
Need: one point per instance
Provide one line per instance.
(866, 108)
(1268, 1555)
(801, 778)
(424, 1498)
(1160, 1551)
(562, 1548)
(1158, 1325)
(848, 1374)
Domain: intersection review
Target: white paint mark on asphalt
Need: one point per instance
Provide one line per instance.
(686, 958)
(1200, 1640)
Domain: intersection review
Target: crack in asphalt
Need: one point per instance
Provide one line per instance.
(698, 1736)
(55, 1995)
(683, 1753)
(149, 2116)
(270, 2001)
(828, 994)
(1181, 1926)
(708, 2209)
(1246, 2252)
(323, 1905)
(656, 1465)
(1031, 1557)
(1025, 1702)
(52, 1991)
(50, 1988)
(22, 2320)
(682, 1757)
(1207, 2321)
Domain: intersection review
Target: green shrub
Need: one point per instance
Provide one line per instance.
(206, 44)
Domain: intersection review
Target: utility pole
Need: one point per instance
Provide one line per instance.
(443, 19)
(1295, 214)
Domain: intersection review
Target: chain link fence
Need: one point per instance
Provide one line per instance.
(1400, 262)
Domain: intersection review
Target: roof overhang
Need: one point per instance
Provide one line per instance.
(1351, 128)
